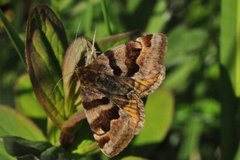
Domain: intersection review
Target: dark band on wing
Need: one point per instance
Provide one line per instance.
(101, 142)
(112, 62)
(95, 103)
(147, 40)
(104, 119)
(131, 57)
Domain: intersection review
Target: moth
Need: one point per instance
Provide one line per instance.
(112, 87)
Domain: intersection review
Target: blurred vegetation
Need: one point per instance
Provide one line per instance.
(195, 113)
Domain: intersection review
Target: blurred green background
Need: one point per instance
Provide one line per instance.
(202, 81)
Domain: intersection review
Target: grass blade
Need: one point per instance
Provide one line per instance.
(237, 71)
(238, 153)
(105, 15)
(15, 39)
(228, 84)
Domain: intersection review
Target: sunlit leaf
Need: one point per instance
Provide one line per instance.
(14, 124)
(229, 41)
(76, 56)
(230, 77)
(87, 146)
(25, 99)
(159, 115)
(45, 46)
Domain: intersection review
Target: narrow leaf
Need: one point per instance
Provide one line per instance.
(105, 15)
(229, 67)
(192, 134)
(237, 68)
(229, 37)
(14, 37)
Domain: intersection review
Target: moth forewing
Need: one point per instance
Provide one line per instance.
(112, 87)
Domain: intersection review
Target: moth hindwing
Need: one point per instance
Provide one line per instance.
(112, 87)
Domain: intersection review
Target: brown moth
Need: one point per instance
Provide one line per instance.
(112, 87)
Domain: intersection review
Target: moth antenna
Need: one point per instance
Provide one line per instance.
(94, 39)
(92, 55)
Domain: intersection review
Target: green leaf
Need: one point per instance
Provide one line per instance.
(230, 77)
(55, 153)
(159, 15)
(177, 79)
(159, 115)
(182, 57)
(45, 46)
(14, 124)
(114, 40)
(237, 156)
(84, 143)
(28, 157)
(87, 146)
(25, 99)
(132, 6)
(229, 41)
(237, 68)
(192, 134)
(133, 158)
(53, 132)
(184, 42)
(87, 19)
(18, 147)
(78, 53)
(14, 37)
(106, 16)
(3, 154)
